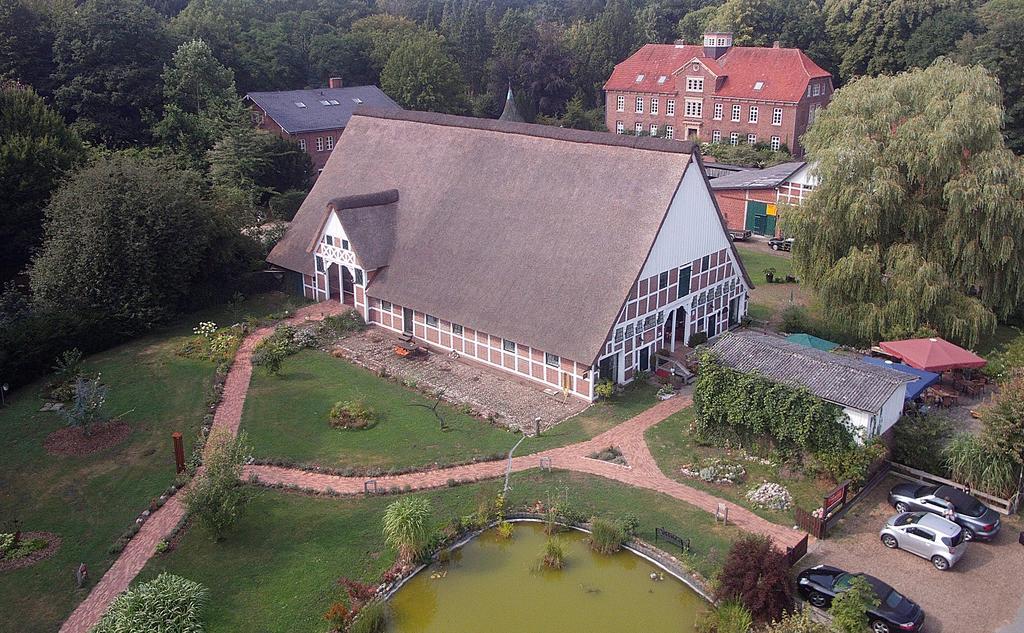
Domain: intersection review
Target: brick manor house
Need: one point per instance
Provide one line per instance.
(518, 246)
(717, 93)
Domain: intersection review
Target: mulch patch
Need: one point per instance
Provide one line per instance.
(72, 441)
(52, 545)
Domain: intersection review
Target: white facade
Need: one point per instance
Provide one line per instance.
(872, 423)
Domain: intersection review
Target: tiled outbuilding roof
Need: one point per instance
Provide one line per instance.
(833, 377)
(767, 178)
(782, 72)
(319, 109)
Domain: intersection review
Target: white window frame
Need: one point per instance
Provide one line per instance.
(694, 108)
(737, 113)
(694, 84)
(816, 89)
(302, 144)
(716, 136)
(638, 128)
(654, 105)
(552, 360)
(639, 105)
(752, 115)
(319, 143)
(330, 143)
(776, 143)
(508, 346)
(620, 103)
(751, 139)
(734, 138)
(777, 116)
(654, 129)
(669, 132)
(620, 127)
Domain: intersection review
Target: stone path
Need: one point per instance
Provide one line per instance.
(642, 472)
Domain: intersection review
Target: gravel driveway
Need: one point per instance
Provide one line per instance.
(983, 593)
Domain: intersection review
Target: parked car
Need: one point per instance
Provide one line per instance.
(928, 535)
(978, 520)
(781, 243)
(739, 235)
(895, 612)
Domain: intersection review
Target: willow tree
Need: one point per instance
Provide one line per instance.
(918, 223)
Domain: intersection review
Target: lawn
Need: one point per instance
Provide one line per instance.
(91, 500)
(768, 300)
(277, 571)
(673, 448)
(286, 417)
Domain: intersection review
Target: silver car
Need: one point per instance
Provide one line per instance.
(928, 535)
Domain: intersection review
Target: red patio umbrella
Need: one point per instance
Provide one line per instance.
(932, 354)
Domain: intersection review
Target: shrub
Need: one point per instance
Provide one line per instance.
(505, 529)
(90, 396)
(218, 498)
(605, 388)
(630, 524)
(372, 618)
(849, 609)
(23, 548)
(730, 617)
(344, 323)
(337, 616)
(756, 574)
(697, 338)
(852, 463)
(606, 537)
(919, 442)
(166, 604)
(407, 526)
(795, 319)
(970, 462)
(799, 622)
(6, 543)
(554, 555)
(1003, 420)
(352, 414)
(271, 355)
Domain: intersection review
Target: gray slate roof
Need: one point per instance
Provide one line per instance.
(832, 377)
(281, 107)
(526, 232)
(767, 178)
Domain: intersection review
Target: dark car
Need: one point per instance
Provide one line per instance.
(977, 519)
(895, 612)
(739, 235)
(781, 243)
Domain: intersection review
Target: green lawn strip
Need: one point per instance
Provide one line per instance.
(286, 417)
(673, 447)
(277, 571)
(89, 501)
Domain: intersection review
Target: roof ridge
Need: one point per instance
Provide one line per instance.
(532, 129)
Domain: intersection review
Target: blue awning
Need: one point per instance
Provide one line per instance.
(924, 380)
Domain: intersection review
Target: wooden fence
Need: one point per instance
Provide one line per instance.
(793, 554)
(1003, 506)
(837, 503)
(809, 523)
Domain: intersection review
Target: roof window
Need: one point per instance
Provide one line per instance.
(299, 104)
(758, 85)
(639, 78)
(662, 79)
(325, 102)
(357, 100)
(335, 102)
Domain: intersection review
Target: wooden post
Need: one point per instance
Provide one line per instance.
(179, 452)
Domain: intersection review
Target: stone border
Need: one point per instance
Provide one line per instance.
(53, 542)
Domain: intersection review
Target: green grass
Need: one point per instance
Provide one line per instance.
(767, 301)
(286, 417)
(91, 500)
(673, 447)
(277, 571)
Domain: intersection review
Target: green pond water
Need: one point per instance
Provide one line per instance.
(492, 585)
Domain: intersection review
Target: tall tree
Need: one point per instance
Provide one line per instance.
(26, 43)
(420, 75)
(597, 46)
(464, 28)
(918, 221)
(36, 151)
(109, 55)
(1000, 48)
(126, 237)
(200, 102)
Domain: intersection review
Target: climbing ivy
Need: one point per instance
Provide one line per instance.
(747, 408)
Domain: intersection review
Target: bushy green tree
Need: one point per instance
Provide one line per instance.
(26, 43)
(125, 237)
(218, 497)
(1003, 420)
(109, 55)
(420, 75)
(918, 220)
(849, 609)
(37, 150)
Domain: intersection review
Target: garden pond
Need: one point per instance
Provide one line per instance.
(497, 585)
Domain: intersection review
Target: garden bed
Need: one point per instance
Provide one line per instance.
(74, 441)
(52, 545)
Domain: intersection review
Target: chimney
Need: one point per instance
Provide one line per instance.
(717, 44)
(334, 82)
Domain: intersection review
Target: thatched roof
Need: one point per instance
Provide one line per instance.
(531, 233)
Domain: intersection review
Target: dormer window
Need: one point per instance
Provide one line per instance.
(695, 84)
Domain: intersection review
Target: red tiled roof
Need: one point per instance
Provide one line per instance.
(784, 71)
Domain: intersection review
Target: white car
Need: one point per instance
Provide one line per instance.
(928, 535)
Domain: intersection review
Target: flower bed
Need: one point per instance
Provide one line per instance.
(32, 547)
(771, 496)
(612, 455)
(719, 471)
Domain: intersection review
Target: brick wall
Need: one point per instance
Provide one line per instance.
(319, 157)
(733, 204)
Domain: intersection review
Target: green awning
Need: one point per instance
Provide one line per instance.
(812, 341)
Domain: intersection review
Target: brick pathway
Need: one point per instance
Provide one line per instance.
(642, 472)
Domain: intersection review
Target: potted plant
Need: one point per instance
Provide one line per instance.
(666, 392)
(769, 275)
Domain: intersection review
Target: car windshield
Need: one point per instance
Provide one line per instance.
(924, 491)
(908, 519)
(963, 502)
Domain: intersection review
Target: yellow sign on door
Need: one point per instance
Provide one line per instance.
(772, 210)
